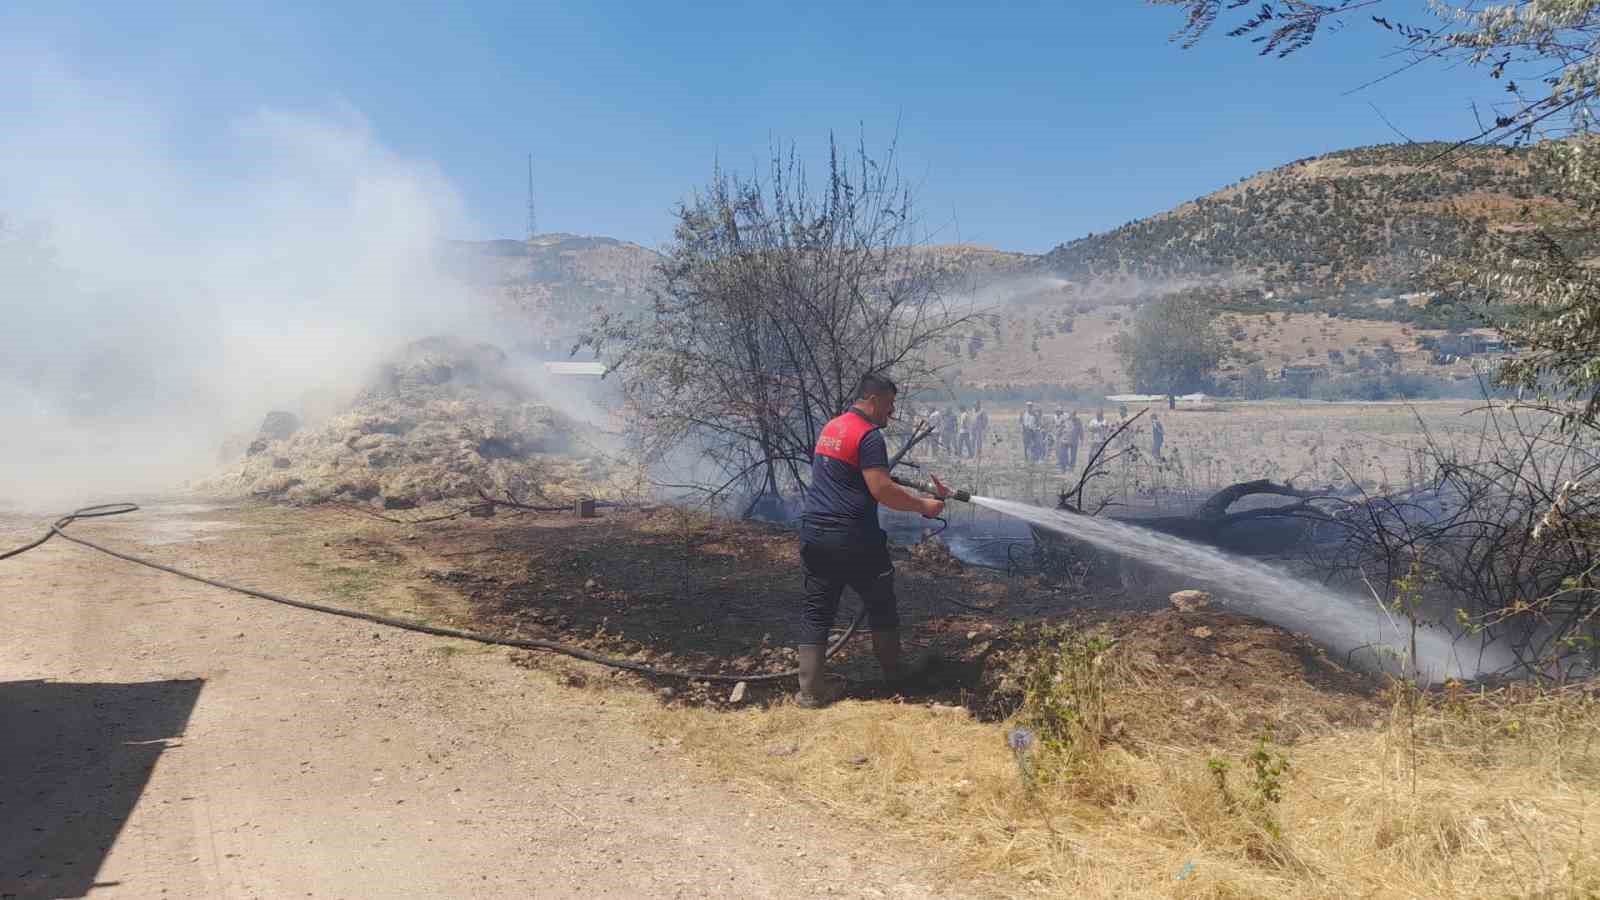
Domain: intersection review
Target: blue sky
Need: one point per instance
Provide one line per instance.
(1025, 125)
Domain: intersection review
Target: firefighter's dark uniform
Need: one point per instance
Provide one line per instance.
(841, 542)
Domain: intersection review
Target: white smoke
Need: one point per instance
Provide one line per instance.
(164, 282)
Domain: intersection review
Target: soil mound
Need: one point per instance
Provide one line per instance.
(1207, 676)
(442, 419)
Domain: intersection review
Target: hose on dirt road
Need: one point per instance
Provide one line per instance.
(58, 529)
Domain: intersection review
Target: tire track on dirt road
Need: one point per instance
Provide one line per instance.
(171, 740)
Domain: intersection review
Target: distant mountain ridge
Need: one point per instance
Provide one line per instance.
(1347, 220)
(1338, 233)
(558, 278)
(1332, 241)
(566, 276)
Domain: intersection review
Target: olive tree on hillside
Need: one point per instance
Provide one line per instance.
(775, 296)
(1174, 345)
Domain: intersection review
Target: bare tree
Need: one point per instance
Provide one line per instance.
(1503, 529)
(775, 298)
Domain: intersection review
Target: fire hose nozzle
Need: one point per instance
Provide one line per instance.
(927, 487)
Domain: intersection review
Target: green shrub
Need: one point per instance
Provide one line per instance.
(1063, 681)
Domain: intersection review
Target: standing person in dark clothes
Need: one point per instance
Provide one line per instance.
(841, 542)
(1074, 439)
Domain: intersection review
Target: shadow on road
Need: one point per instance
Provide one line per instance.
(74, 759)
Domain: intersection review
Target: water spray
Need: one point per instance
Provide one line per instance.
(1336, 620)
(1330, 617)
(1343, 623)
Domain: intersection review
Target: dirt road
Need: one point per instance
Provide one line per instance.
(159, 738)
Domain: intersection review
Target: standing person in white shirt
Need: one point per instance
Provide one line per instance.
(1098, 429)
(1030, 432)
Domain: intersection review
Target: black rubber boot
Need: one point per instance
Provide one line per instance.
(886, 644)
(901, 677)
(812, 658)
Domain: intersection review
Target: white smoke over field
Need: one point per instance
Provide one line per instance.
(165, 282)
(1016, 289)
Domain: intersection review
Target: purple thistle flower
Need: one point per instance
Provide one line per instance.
(1020, 740)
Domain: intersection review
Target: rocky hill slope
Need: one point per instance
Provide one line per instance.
(1351, 220)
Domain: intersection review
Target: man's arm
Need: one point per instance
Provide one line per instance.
(896, 497)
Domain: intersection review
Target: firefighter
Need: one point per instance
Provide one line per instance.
(841, 542)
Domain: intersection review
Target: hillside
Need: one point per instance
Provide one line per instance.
(558, 278)
(1315, 263)
(1025, 348)
(971, 265)
(1312, 263)
(1348, 221)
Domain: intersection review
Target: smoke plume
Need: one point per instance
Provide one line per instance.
(165, 282)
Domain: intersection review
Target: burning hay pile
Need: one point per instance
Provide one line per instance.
(443, 419)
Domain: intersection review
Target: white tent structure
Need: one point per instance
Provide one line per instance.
(1185, 401)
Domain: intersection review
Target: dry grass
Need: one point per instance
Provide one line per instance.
(1311, 443)
(1475, 795)
(1506, 799)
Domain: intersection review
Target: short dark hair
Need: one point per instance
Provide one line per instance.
(872, 385)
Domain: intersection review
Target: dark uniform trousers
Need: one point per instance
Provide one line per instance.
(831, 565)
